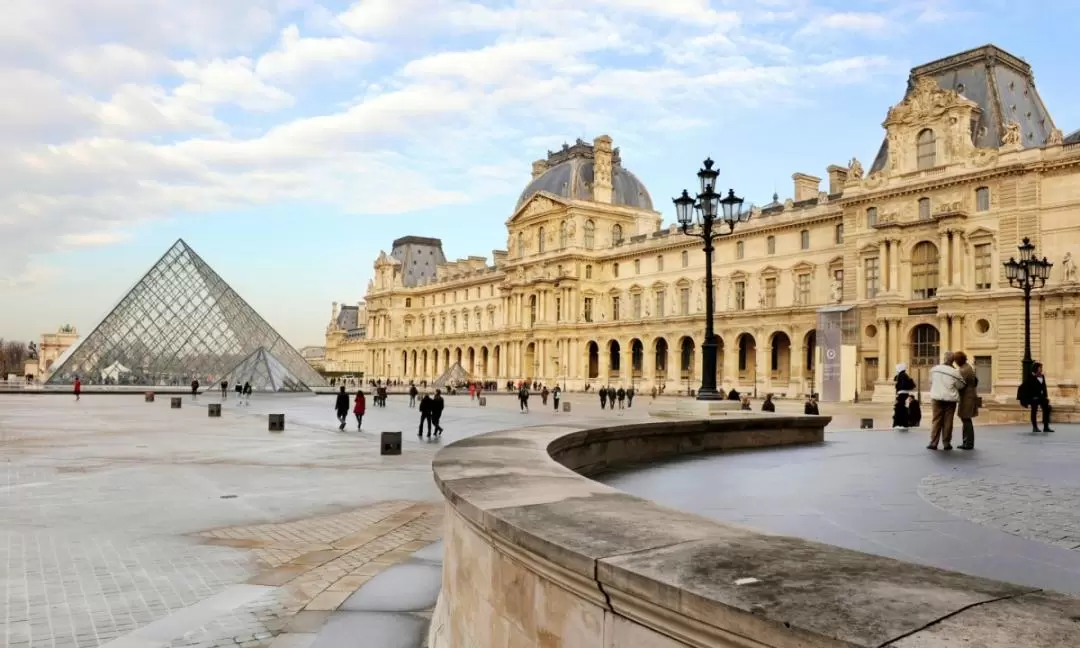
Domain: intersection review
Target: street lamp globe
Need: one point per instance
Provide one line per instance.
(684, 209)
(1026, 250)
(708, 175)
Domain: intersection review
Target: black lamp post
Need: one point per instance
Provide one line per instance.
(1027, 274)
(709, 207)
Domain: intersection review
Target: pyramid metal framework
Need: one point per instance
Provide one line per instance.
(180, 322)
(265, 373)
(454, 375)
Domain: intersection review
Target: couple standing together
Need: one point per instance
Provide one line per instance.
(953, 386)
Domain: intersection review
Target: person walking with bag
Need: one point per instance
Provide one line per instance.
(1033, 394)
(945, 384)
(437, 405)
(904, 384)
(341, 407)
(968, 406)
(556, 394)
(359, 407)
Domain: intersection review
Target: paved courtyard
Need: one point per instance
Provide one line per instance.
(132, 525)
(1010, 510)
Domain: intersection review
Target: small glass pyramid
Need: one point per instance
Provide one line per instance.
(180, 322)
(265, 373)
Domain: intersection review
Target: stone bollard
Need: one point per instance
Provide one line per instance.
(174, 402)
(213, 410)
(390, 443)
(566, 407)
(866, 424)
(483, 401)
(148, 397)
(277, 422)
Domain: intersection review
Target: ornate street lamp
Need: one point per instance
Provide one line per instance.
(1028, 273)
(705, 210)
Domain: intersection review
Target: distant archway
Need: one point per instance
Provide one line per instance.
(594, 360)
(747, 358)
(637, 358)
(780, 359)
(530, 361)
(686, 358)
(614, 358)
(660, 360)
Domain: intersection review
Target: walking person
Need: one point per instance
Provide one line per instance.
(1033, 394)
(630, 397)
(194, 388)
(341, 407)
(968, 406)
(523, 399)
(810, 408)
(621, 396)
(425, 415)
(437, 405)
(413, 391)
(78, 388)
(247, 393)
(555, 395)
(945, 384)
(359, 407)
(768, 405)
(543, 396)
(904, 385)
(224, 389)
(603, 397)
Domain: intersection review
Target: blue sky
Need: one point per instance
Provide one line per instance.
(288, 141)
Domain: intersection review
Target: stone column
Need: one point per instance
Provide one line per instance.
(944, 276)
(762, 365)
(883, 267)
(895, 283)
(958, 335)
(883, 346)
(899, 349)
(795, 368)
(958, 259)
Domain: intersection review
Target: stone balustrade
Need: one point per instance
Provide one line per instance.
(537, 554)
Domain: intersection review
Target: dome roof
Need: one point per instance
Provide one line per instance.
(569, 174)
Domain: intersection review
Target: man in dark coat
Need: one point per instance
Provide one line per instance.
(437, 405)
(630, 397)
(621, 395)
(1033, 394)
(341, 406)
(426, 405)
(603, 397)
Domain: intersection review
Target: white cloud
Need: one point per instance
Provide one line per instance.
(296, 55)
(859, 22)
(117, 112)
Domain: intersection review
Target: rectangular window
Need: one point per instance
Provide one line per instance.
(685, 259)
(740, 295)
(408, 302)
(739, 250)
(802, 289)
(871, 217)
(659, 264)
(661, 295)
(637, 266)
(924, 209)
(839, 236)
(770, 292)
(588, 272)
(982, 199)
(491, 319)
(558, 309)
(770, 245)
(872, 276)
(635, 303)
(615, 269)
(984, 274)
(615, 309)
(684, 301)
(453, 323)
(804, 239)
(588, 309)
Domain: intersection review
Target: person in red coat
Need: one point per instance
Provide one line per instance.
(78, 387)
(359, 407)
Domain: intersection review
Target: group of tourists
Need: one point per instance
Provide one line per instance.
(610, 395)
(954, 394)
(431, 409)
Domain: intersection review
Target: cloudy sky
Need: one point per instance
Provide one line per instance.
(288, 141)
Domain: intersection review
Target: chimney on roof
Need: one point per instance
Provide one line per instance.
(603, 154)
(837, 178)
(539, 167)
(806, 186)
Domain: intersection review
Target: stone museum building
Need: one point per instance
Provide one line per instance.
(907, 248)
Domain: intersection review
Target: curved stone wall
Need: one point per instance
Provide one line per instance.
(537, 554)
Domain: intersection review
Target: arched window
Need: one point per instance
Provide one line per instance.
(588, 272)
(521, 244)
(925, 346)
(738, 249)
(926, 149)
(616, 234)
(924, 271)
(540, 240)
(563, 235)
(770, 245)
(590, 234)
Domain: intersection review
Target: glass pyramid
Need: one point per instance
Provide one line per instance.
(265, 373)
(180, 321)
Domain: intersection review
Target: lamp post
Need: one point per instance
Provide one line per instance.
(707, 209)
(1028, 273)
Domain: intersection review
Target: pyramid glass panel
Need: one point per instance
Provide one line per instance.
(265, 373)
(180, 322)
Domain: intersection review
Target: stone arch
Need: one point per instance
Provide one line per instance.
(614, 358)
(458, 355)
(415, 366)
(660, 360)
(925, 347)
(404, 364)
(637, 359)
(780, 357)
(496, 359)
(424, 364)
(687, 357)
(530, 367)
(747, 362)
(471, 357)
(446, 359)
(484, 362)
(592, 349)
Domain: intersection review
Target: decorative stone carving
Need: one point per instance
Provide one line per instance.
(875, 180)
(836, 292)
(855, 170)
(761, 292)
(789, 204)
(984, 157)
(602, 163)
(571, 230)
(822, 197)
(538, 205)
(1013, 139)
(927, 102)
(1055, 137)
(1068, 267)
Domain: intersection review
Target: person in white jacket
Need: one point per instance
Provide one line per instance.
(945, 385)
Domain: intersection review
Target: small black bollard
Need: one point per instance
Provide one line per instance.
(277, 422)
(148, 397)
(566, 407)
(213, 410)
(174, 402)
(390, 443)
(483, 401)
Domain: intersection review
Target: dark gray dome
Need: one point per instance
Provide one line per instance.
(573, 179)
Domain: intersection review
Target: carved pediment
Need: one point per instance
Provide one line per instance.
(927, 102)
(981, 233)
(803, 266)
(738, 275)
(770, 271)
(540, 203)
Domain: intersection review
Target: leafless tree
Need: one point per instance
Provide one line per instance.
(13, 356)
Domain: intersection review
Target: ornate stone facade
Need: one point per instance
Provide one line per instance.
(594, 292)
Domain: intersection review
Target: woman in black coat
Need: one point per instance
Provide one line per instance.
(904, 384)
